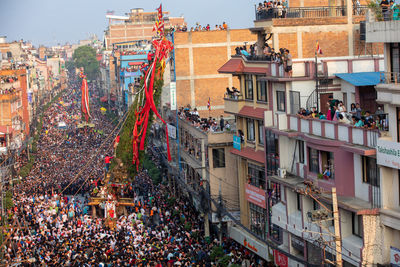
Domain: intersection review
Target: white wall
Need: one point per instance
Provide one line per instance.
(305, 88)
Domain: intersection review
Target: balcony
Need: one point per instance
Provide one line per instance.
(384, 27)
(388, 91)
(293, 125)
(234, 103)
(300, 12)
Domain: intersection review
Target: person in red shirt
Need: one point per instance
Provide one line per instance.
(108, 162)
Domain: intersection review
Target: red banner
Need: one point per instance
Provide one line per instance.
(255, 195)
(280, 259)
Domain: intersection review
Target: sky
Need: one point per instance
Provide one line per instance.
(52, 22)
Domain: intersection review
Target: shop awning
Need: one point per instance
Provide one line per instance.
(250, 153)
(136, 63)
(360, 78)
(250, 112)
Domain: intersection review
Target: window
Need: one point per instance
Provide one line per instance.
(258, 219)
(370, 171)
(256, 175)
(313, 160)
(280, 101)
(260, 132)
(315, 205)
(276, 233)
(274, 192)
(218, 157)
(357, 225)
(262, 91)
(301, 151)
(298, 198)
(248, 84)
(250, 130)
(321, 162)
(294, 102)
(272, 152)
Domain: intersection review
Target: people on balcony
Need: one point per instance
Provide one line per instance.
(8, 91)
(272, 9)
(8, 79)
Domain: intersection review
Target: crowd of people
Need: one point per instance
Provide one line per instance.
(267, 53)
(8, 79)
(53, 226)
(206, 124)
(6, 91)
(356, 116)
(199, 28)
(272, 9)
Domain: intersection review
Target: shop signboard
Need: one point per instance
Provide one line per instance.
(388, 154)
(255, 195)
(280, 259)
(236, 142)
(394, 256)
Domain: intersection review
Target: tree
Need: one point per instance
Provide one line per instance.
(85, 56)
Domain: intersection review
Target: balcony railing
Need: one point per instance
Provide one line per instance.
(333, 130)
(390, 77)
(301, 12)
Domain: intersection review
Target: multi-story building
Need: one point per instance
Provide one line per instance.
(273, 207)
(138, 25)
(388, 147)
(14, 115)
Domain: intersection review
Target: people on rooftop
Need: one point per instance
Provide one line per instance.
(272, 9)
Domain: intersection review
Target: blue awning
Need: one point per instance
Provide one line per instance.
(360, 78)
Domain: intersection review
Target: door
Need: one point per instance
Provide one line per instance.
(323, 102)
(368, 99)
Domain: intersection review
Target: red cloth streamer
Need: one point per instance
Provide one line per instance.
(162, 48)
(85, 98)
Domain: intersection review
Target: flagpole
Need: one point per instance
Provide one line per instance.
(316, 79)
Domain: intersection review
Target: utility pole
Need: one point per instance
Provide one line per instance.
(338, 239)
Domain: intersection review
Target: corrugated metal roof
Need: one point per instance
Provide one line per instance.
(360, 78)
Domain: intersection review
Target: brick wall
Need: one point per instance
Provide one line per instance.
(289, 41)
(309, 21)
(209, 52)
(331, 43)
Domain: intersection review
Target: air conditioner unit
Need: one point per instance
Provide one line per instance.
(282, 173)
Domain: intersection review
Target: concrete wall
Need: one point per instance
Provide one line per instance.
(383, 31)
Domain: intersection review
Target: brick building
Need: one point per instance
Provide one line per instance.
(138, 25)
(14, 114)
(198, 55)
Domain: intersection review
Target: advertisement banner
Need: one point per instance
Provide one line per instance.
(236, 142)
(388, 154)
(172, 89)
(171, 131)
(394, 256)
(281, 259)
(255, 195)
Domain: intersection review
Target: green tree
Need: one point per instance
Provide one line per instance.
(85, 56)
(124, 149)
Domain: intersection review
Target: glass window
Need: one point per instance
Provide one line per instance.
(280, 101)
(260, 132)
(301, 151)
(357, 225)
(248, 84)
(298, 197)
(276, 233)
(258, 220)
(262, 91)
(256, 175)
(327, 161)
(272, 152)
(313, 160)
(218, 157)
(294, 102)
(250, 130)
(370, 171)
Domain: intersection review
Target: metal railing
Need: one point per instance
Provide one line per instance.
(234, 96)
(389, 77)
(301, 12)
